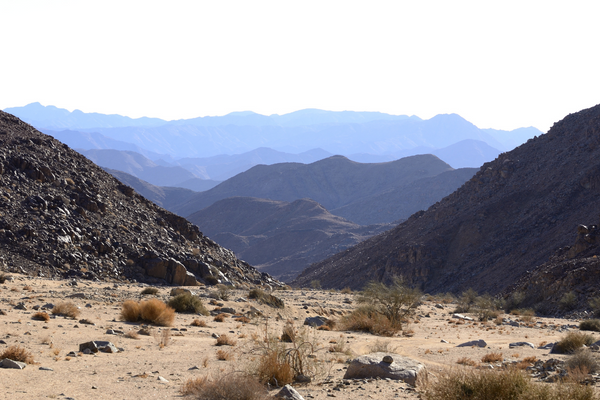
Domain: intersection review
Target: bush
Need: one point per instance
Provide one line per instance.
(395, 302)
(17, 353)
(365, 319)
(152, 311)
(41, 316)
(187, 303)
(492, 357)
(466, 361)
(235, 386)
(67, 309)
(568, 301)
(590, 325)
(594, 303)
(266, 298)
(224, 355)
(198, 322)
(219, 317)
(514, 301)
(573, 341)
(225, 340)
(583, 361)
(466, 301)
(150, 290)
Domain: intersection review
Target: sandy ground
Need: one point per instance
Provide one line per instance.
(136, 372)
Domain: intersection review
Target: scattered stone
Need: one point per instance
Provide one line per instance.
(76, 296)
(315, 321)
(8, 363)
(478, 343)
(521, 344)
(86, 322)
(373, 366)
(178, 291)
(289, 393)
(45, 369)
(463, 317)
(160, 378)
(99, 345)
(303, 379)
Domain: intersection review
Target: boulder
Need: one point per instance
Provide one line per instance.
(289, 393)
(373, 366)
(8, 363)
(315, 321)
(98, 345)
(478, 343)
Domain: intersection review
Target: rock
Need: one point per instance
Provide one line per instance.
(521, 344)
(478, 343)
(45, 369)
(388, 359)
(302, 379)
(228, 310)
(99, 345)
(315, 321)
(160, 378)
(8, 363)
(443, 341)
(215, 335)
(373, 366)
(289, 393)
(441, 307)
(463, 317)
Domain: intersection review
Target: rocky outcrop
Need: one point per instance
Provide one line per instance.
(63, 216)
(384, 365)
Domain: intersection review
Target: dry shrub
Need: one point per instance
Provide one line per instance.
(41, 316)
(289, 333)
(339, 346)
(27, 288)
(188, 303)
(225, 340)
(66, 309)
(590, 325)
(243, 320)
(365, 319)
(149, 290)
(573, 341)
(274, 369)
(266, 298)
(346, 290)
(234, 386)
(324, 328)
(492, 357)
(466, 361)
(163, 338)
(526, 362)
(132, 335)
(153, 311)
(130, 311)
(17, 353)
(476, 384)
(382, 346)
(582, 360)
(224, 355)
(219, 317)
(198, 322)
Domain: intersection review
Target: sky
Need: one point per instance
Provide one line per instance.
(500, 65)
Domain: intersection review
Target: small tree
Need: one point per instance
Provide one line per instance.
(396, 301)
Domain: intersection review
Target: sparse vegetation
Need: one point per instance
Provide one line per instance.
(224, 355)
(466, 361)
(492, 358)
(163, 338)
(568, 301)
(466, 301)
(187, 303)
(265, 298)
(66, 309)
(220, 317)
(573, 341)
(594, 303)
(225, 340)
(152, 311)
(590, 325)
(198, 322)
(41, 316)
(235, 386)
(17, 353)
(131, 335)
(582, 360)
(365, 319)
(475, 384)
(149, 290)
(382, 346)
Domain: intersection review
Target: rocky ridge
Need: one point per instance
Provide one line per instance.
(509, 218)
(63, 216)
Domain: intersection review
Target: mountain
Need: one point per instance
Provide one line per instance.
(514, 138)
(51, 117)
(63, 216)
(509, 218)
(278, 237)
(333, 182)
(141, 167)
(467, 153)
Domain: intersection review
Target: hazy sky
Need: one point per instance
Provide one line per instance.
(501, 64)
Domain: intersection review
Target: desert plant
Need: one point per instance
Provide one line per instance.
(198, 322)
(130, 311)
(568, 301)
(590, 325)
(187, 303)
(153, 311)
(466, 301)
(487, 307)
(225, 340)
(382, 347)
(234, 386)
(573, 341)
(466, 361)
(289, 332)
(492, 357)
(149, 290)
(224, 355)
(582, 360)
(220, 317)
(224, 291)
(66, 309)
(131, 335)
(474, 384)
(163, 338)
(315, 284)
(346, 290)
(265, 298)
(17, 353)
(515, 300)
(365, 319)
(339, 346)
(594, 303)
(41, 316)
(395, 302)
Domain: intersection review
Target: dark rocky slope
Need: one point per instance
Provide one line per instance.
(278, 237)
(509, 218)
(63, 216)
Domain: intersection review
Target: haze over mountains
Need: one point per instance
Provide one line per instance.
(510, 218)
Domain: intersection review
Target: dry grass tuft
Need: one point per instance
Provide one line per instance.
(153, 311)
(66, 309)
(265, 298)
(235, 386)
(492, 358)
(17, 353)
(224, 355)
(590, 325)
(220, 317)
(163, 338)
(132, 335)
(198, 322)
(273, 369)
(225, 340)
(573, 341)
(41, 316)
(466, 361)
(149, 290)
(243, 320)
(364, 319)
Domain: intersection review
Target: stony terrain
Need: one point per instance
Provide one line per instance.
(158, 364)
(278, 237)
(63, 216)
(512, 216)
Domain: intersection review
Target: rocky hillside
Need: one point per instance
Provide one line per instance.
(278, 237)
(333, 182)
(509, 218)
(62, 216)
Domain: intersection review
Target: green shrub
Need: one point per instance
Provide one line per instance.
(187, 303)
(590, 325)
(466, 301)
(568, 301)
(395, 302)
